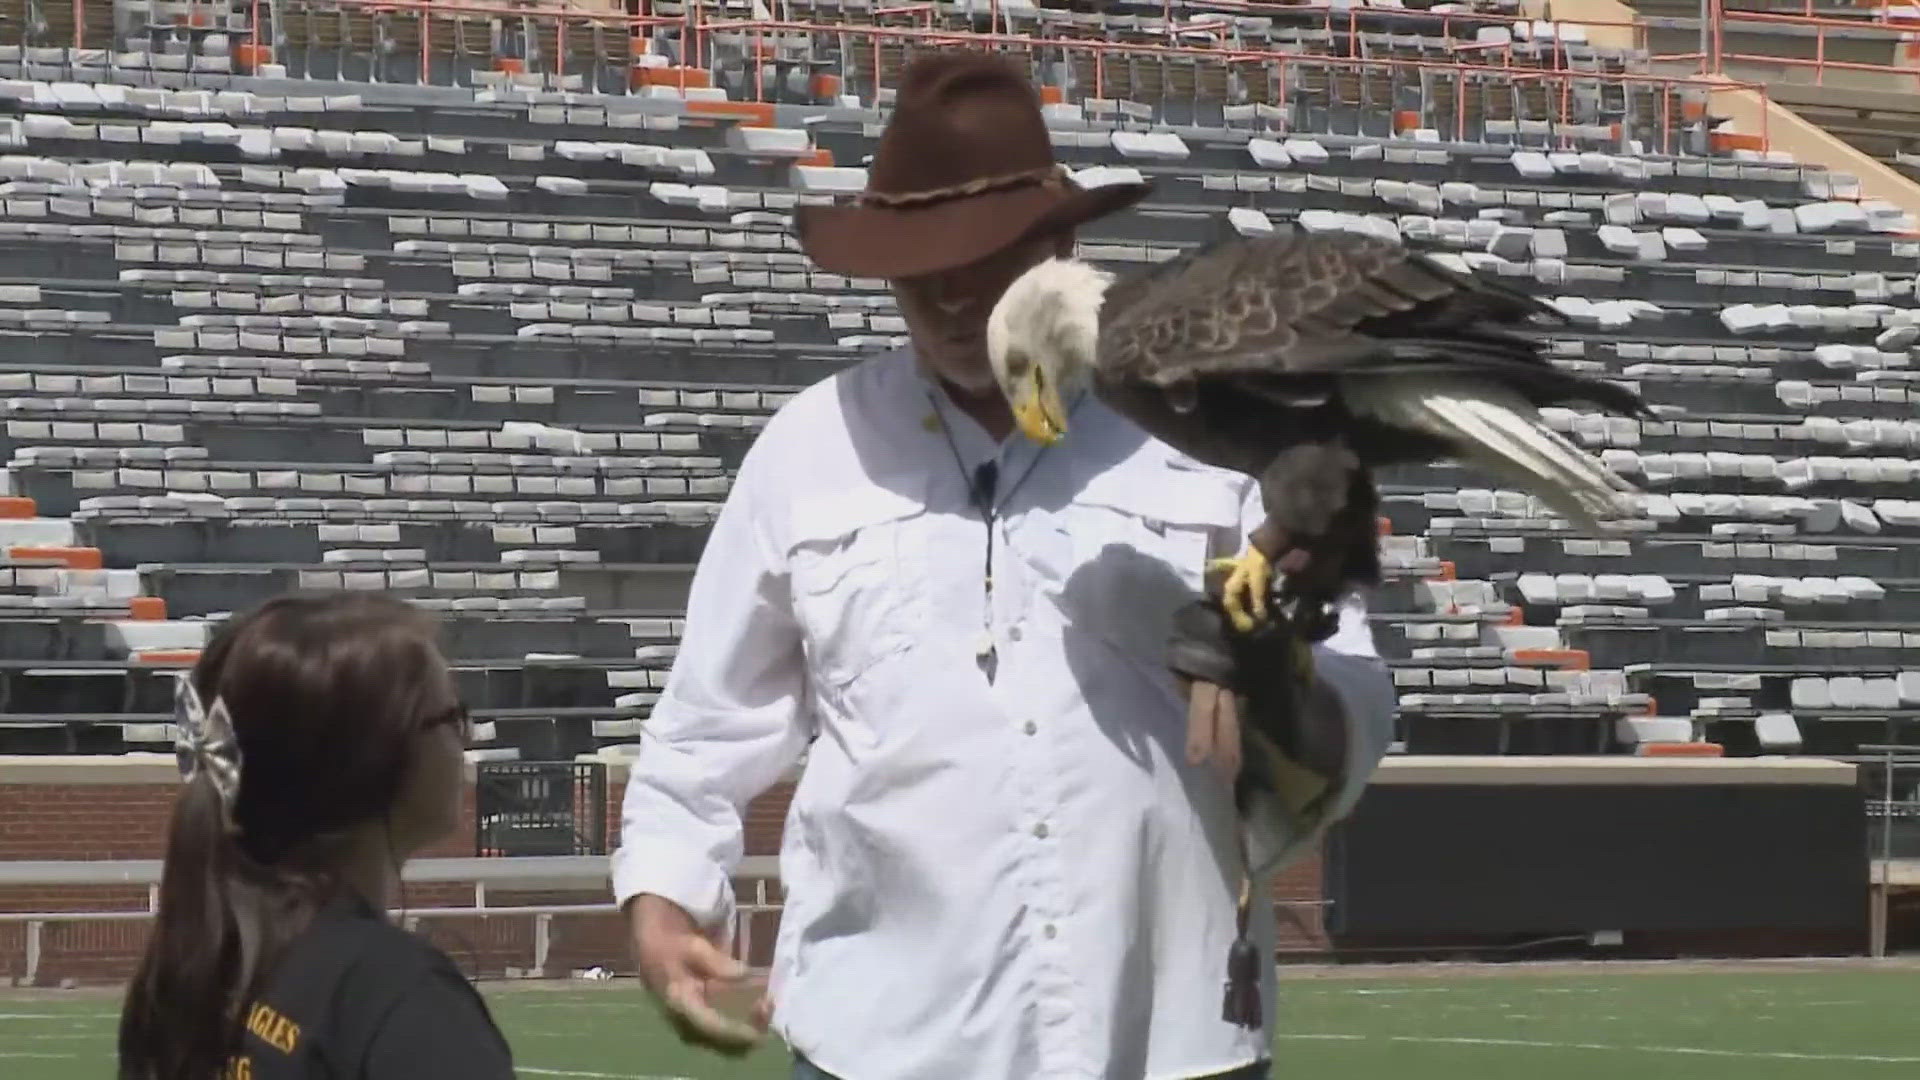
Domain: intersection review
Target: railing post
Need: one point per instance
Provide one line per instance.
(1460, 105)
(34, 930)
(1566, 111)
(693, 39)
(1706, 34)
(1886, 858)
(1666, 116)
(1280, 77)
(1719, 15)
(745, 937)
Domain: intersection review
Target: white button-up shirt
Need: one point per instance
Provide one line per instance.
(993, 870)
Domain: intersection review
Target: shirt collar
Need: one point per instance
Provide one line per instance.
(971, 441)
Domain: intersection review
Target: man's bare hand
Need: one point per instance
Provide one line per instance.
(688, 974)
(1213, 727)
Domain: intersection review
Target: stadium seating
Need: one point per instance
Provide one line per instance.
(484, 309)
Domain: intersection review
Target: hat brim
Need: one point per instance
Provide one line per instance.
(885, 242)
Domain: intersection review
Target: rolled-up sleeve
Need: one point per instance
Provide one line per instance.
(1350, 677)
(731, 721)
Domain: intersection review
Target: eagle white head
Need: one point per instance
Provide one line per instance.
(1042, 340)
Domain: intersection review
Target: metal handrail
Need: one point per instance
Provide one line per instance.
(1711, 60)
(527, 872)
(587, 869)
(1230, 55)
(425, 9)
(705, 30)
(1718, 16)
(700, 23)
(1352, 15)
(34, 945)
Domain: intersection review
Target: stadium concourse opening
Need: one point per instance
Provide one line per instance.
(484, 304)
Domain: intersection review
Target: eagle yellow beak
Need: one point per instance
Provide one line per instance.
(1037, 409)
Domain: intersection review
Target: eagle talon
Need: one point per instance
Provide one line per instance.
(1244, 595)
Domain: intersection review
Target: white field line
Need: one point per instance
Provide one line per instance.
(632, 1005)
(1694, 1051)
(584, 1075)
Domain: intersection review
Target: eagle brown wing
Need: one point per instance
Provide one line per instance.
(1263, 307)
(1274, 318)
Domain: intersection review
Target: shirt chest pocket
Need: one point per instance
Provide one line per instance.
(858, 572)
(1141, 550)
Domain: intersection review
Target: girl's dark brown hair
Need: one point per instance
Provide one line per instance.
(325, 692)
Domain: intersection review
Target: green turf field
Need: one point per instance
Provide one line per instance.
(1752, 1022)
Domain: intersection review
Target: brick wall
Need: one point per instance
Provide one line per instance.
(1297, 894)
(54, 809)
(83, 821)
(115, 809)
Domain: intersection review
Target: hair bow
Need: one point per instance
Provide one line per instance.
(205, 745)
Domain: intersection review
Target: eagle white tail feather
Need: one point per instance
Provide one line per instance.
(1502, 433)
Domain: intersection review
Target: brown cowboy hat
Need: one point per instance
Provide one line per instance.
(964, 169)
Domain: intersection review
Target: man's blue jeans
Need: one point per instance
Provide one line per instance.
(807, 1070)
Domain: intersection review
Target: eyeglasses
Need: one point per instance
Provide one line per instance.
(457, 716)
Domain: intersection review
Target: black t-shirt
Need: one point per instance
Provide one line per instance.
(357, 998)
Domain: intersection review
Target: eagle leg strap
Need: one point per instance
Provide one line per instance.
(1242, 1001)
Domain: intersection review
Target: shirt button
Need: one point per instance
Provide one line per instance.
(1013, 632)
(1040, 830)
(1030, 727)
(1049, 931)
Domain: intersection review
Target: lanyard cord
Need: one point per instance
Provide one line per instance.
(985, 496)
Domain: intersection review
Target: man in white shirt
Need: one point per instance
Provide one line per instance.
(1010, 853)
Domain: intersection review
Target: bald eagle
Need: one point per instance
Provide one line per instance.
(1304, 362)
